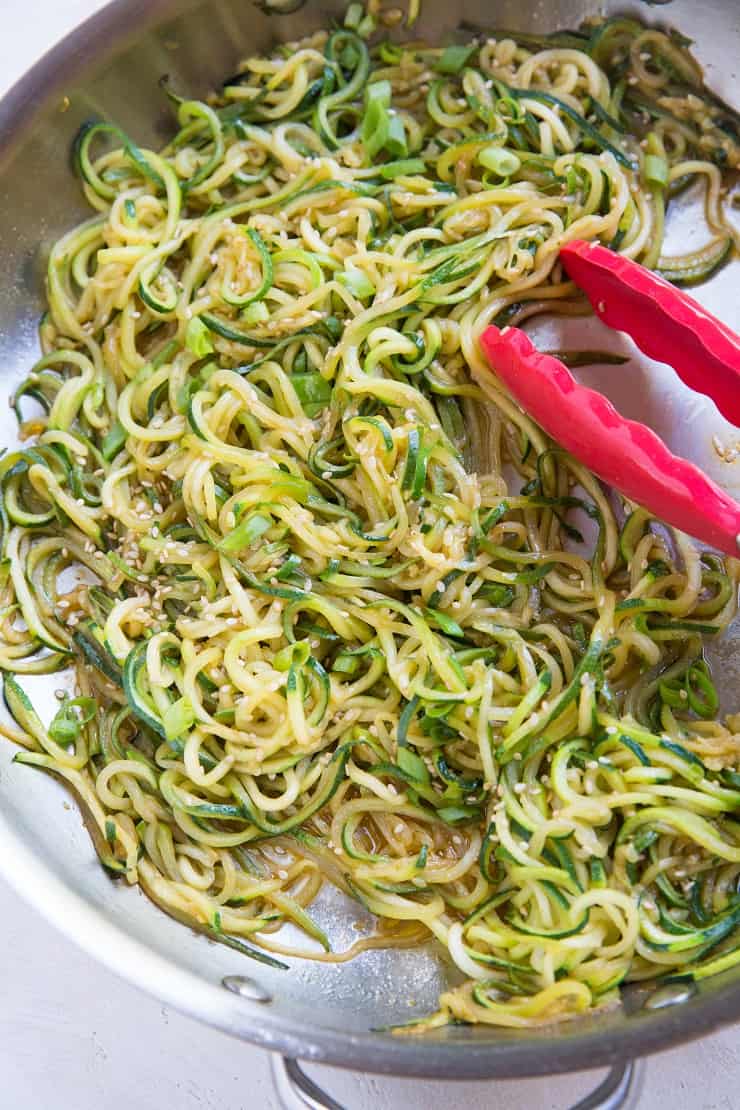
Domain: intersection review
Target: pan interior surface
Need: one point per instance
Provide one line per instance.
(109, 69)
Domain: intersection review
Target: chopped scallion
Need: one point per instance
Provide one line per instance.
(353, 16)
(402, 168)
(357, 282)
(245, 534)
(656, 170)
(376, 120)
(314, 392)
(294, 655)
(255, 313)
(70, 719)
(198, 338)
(454, 58)
(500, 161)
(178, 718)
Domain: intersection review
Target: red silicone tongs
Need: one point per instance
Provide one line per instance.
(668, 326)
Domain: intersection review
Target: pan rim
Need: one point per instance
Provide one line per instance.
(119, 22)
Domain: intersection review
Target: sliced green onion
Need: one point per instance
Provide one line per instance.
(407, 715)
(353, 16)
(655, 170)
(294, 655)
(501, 162)
(366, 26)
(357, 282)
(402, 167)
(702, 694)
(395, 142)
(197, 338)
(178, 718)
(314, 391)
(246, 533)
(412, 765)
(113, 441)
(290, 567)
(255, 313)
(345, 663)
(376, 120)
(445, 623)
(70, 718)
(454, 58)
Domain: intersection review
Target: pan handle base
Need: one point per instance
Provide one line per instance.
(296, 1091)
(618, 1090)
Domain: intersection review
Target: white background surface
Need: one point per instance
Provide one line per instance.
(73, 1037)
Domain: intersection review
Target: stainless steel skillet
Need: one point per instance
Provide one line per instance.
(110, 67)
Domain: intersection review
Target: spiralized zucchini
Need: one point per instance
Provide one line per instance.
(323, 585)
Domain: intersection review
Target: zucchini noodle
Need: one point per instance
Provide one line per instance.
(323, 584)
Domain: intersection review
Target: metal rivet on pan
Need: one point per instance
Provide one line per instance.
(246, 988)
(670, 995)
